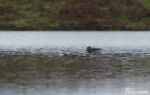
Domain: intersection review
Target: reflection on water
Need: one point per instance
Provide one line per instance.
(27, 73)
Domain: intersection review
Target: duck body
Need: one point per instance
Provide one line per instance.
(89, 49)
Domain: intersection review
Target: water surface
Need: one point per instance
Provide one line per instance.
(56, 63)
(80, 40)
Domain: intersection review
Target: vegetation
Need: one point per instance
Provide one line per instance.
(75, 15)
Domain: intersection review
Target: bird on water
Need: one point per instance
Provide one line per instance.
(90, 49)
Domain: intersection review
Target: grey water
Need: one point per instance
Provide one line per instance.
(109, 41)
(27, 69)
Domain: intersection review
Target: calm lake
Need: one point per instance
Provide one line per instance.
(56, 63)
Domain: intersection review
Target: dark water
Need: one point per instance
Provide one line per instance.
(26, 73)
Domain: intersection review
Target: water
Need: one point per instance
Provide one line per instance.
(56, 63)
(111, 40)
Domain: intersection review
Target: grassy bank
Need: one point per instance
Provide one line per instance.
(75, 15)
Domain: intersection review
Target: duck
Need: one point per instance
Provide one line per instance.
(90, 49)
